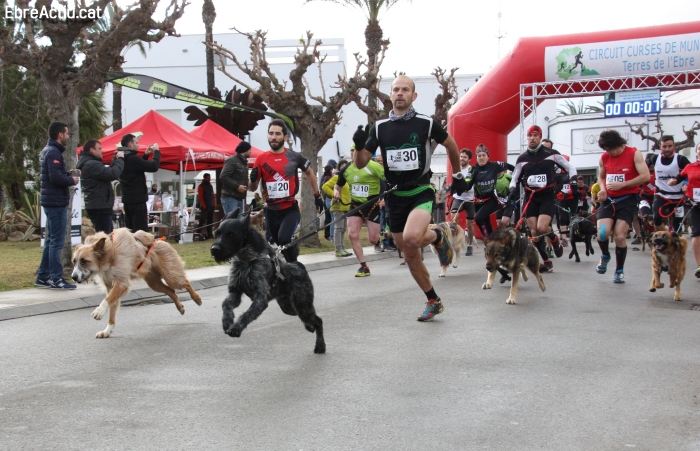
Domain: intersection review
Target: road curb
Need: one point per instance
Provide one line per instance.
(136, 297)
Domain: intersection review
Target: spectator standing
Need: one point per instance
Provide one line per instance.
(154, 190)
(328, 171)
(234, 179)
(55, 197)
(97, 184)
(441, 202)
(339, 208)
(256, 203)
(133, 181)
(207, 200)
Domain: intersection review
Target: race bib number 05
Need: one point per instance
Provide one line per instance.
(615, 178)
(402, 159)
(537, 181)
(277, 190)
(360, 190)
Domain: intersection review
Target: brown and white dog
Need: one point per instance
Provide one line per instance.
(117, 258)
(457, 241)
(668, 253)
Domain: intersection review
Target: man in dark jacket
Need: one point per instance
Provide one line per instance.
(207, 201)
(96, 181)
(55, 197)
(133, 181)
(234, 179)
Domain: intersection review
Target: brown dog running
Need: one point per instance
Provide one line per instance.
(457, 241)
(117, 258)
(668, 253)
(509, 249)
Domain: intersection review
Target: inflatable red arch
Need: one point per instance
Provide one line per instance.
(490, 110)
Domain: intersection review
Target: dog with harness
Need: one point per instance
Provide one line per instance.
(257, 272)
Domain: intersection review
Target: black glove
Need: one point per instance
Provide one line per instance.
(318, 201)
(458, 186)
(514, 194)
(359, 138)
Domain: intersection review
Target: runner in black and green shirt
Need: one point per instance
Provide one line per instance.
(406, 141)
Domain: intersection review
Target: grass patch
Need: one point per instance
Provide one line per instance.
(21, 259)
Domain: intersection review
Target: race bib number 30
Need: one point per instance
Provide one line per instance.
(277, 190)
(615, 178)
(360, 190)
(402, 159)
(537, 181)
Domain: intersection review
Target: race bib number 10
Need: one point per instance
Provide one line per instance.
(537, 181)
(360, 190)
(615, 178)
(402, 159)
(277, 190)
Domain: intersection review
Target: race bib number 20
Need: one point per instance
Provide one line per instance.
(277, 190)
(402, 159)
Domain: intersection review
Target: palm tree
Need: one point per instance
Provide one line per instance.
(208, 16)
(571, 108)
(374, 40)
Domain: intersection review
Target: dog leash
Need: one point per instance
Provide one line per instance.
(344, 216)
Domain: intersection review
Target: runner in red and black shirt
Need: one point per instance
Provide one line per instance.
(278, 171)
(620, 172)
(692, 173)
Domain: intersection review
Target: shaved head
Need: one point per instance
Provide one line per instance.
(404, 79)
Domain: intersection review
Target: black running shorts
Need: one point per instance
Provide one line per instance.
(402, 206)
(466, 205)
(541, 204)
(370, 212)
(623, 210)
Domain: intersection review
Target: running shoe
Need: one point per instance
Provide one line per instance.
(549, 266)
(619, 276)
(362, 272)
(61, 284)
(389, 248)
(603, 266)
(378, 248)
(564, 242)
(697, 272)
(432, 308)
(637, 240)
(45, 282)
(558, 248)
(444, 249)
(469, 251)
(342, 253)
(550, 252)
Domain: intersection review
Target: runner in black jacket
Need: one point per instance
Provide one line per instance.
(535, 172)
(482, 177)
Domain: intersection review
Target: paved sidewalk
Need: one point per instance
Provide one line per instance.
(40, 301)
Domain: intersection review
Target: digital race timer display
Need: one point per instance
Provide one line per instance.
(632, 103)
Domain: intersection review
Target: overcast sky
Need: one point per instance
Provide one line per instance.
(447, 33)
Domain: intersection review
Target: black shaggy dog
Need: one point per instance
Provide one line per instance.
(581, 230)
(253, 273)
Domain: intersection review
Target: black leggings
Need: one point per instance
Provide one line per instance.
(483, 212)
(283, 224)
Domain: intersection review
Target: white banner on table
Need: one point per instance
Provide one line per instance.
(76, 220)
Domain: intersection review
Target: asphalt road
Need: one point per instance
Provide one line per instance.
(587, 365)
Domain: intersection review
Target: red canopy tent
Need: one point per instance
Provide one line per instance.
(174, 143)
(215, 134)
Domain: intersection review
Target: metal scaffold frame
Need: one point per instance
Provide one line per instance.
(530, 93)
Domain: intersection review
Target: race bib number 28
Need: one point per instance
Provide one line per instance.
(537, 181)
(278, 189)
(402, 159)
